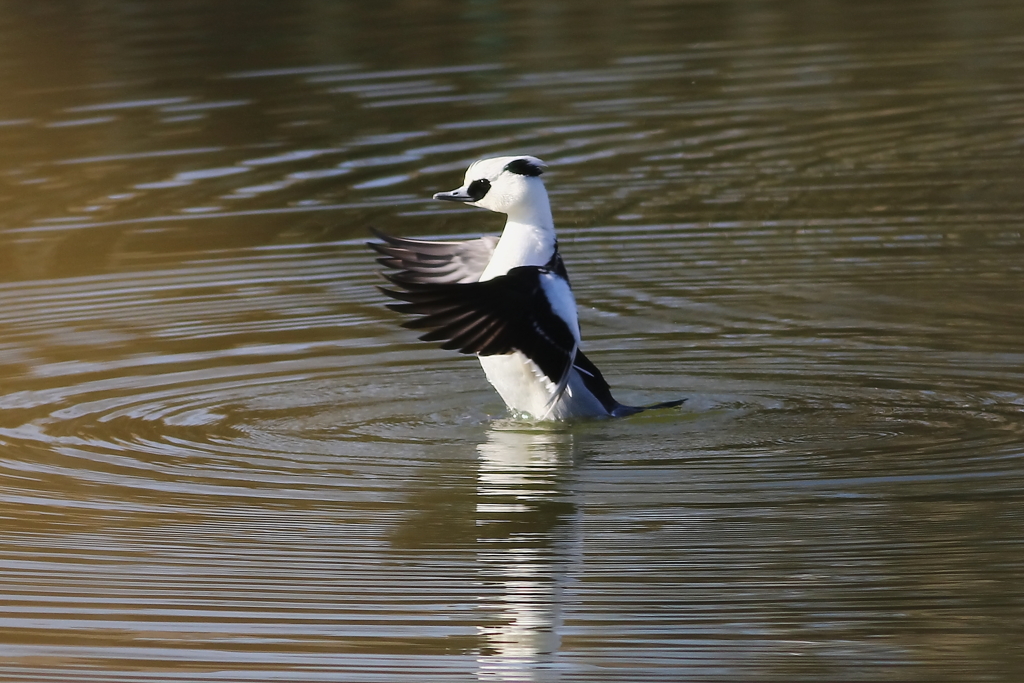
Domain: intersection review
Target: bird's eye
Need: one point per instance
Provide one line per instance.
(478, 188)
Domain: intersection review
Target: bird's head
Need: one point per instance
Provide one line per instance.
(510, 185)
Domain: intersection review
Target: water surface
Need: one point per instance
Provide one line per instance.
(222, 459)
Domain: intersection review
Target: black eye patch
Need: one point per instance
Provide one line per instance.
(478, 188)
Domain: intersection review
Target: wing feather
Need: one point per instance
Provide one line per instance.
(431, 261)
(498, 316)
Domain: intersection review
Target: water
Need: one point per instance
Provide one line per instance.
(222, 459)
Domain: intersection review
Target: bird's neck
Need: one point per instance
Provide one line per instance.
(520, 245)
(528, 240)
(533, 210)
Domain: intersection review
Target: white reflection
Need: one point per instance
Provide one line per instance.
(528, 538)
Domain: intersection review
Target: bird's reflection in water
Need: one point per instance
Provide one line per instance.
(528, 539)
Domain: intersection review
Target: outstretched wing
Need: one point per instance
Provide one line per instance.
(509, 313)
(426, 261)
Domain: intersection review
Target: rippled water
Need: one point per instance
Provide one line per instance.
(222, 459)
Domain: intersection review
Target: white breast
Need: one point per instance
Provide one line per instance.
(526, 390)
(520, 245)
(519, 382)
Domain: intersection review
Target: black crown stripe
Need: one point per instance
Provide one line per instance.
(524, 167)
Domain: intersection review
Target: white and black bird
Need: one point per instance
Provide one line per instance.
(505, 299)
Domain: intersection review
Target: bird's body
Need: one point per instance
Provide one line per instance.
(507, 300)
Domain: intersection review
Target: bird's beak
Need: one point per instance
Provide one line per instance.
(459, 195)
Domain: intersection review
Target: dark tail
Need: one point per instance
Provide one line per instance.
(622, 411)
